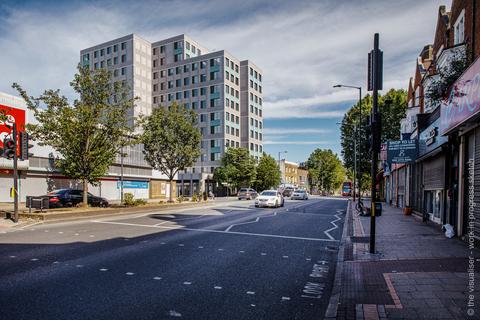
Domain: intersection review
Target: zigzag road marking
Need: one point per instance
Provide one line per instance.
(335, 226)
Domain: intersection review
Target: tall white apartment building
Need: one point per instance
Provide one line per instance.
(224, 91)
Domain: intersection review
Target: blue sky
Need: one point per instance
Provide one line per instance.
(303, 47)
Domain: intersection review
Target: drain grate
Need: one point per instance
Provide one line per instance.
(365, 239)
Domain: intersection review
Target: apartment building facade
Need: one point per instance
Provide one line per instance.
(180, 70)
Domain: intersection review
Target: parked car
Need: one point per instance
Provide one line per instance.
(71, 197)
(270, 198)
(247, 193)
(300, 195)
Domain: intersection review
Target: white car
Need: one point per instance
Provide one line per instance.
(300, 194)
(270, 198)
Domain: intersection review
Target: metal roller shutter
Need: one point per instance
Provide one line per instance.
(434, 173)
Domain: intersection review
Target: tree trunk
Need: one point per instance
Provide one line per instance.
(170, 198)
(85, 193)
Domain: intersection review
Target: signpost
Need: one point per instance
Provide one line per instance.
(402, 151)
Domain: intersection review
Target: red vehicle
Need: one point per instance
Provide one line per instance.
(347, 189)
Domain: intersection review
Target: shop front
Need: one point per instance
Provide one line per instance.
(460, 121)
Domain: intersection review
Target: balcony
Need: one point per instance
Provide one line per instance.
(453, 53)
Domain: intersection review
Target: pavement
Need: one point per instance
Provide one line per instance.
(231, 261)
(415, 273)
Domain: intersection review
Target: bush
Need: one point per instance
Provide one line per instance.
(128, 199)
(180, 199)
(140, 202)
(194, 197)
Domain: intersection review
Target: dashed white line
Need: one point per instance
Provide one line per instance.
(218, 287)
(13, 256)
(252, 305)
(34, 259)
(251, 292)
(77, 234)
(60, 232)
(220, 249)
(285, 257)
(241, 251)
(181, 245)
(79, 265)
(200, 247)
(263, 254)
(285, 298)
(129, 273)
(157, 278)
(103, 269)
(91, 236)
(187, 283)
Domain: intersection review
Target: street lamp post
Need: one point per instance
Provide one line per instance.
(279, 153)
(357, 174)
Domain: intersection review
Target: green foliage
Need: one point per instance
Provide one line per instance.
(140, 202)
(268, 173)
(181, 199)
(128, 199)
(171, 140)
(392, 107)
(453, 69)
(88, 134)
(195, 198)
(325, 170)
(237, 169)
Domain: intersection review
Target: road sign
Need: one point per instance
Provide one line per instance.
(402, 151)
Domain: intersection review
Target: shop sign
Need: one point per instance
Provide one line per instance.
(463, 103)
(402, 151)
(429, 139)
(13, 115)
(130, 184)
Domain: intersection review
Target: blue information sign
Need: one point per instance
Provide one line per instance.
(131, 184)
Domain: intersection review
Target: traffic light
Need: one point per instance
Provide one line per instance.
(8, 148)
(25, 146)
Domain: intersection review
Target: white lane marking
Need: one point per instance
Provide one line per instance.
(181, 245)
(61, 232)
(308, 259)
(13, 256)
(162, 242)
(335, 226)
(187, 283)
(285, 257)
(79, 265)
(46, 231)
(77, 234)
(129, 273)
(217, 287)
(251, 292)
(285, 298)
(215, 231)
(256, 220)
(91, 236)
(200, 247)
(157, 278)
(252, 305)
(103, 269)
(173, 313)
(34, 259)
(220, 249)
(163, 222)
(241, 251)
(56, 262)
(263, 254)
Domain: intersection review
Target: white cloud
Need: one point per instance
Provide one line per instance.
(299, 142)
(283, 131)
(303, 47)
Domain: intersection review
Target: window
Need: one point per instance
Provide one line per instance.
(236, 68)
(232, 65)
(236, 81)
(187, 45)
(102, 64)
(202, 118)
(232, 77)
(155, 87)
(255, 74)
(124, 58)
(251, 83)
(102, 52)
(124, 45)
(95, 54)
(162, 49)
(194, 50)
(213, 75)
(109, 50)
(115, 60)
(260, 89)
(162, 61)
(162, 86)
(124, 71)
(194, 66)
(155, 51)
(170, 84)
(203, 64)
(260, 77)
(251, 133)
(194, 92)
(155, 100)
(162, 74)
(194, 79)
(186, 81)
(227, 75)
(178, 70)
(251, 146)
(155, 75)
(203, 78)
(195, 105)
(95, 65)
(251, 71)
(178, 83)
(203, 91)
(227, 89)
(185, 68)
(115, 73)
(178, 95)
(459, 29)
(177, 57)
(170, 72)
(203, 104)
(256, 86)
(155, 63)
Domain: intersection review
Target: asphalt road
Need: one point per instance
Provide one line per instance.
(232, 261)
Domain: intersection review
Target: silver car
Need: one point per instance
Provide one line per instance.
(300, 195)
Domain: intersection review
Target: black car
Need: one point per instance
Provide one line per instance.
(71, 197)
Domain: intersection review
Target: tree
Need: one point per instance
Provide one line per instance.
(268, 173)
(326, 170)
(237, 169)
(88, 134)
(392, 107)
(171, 140)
